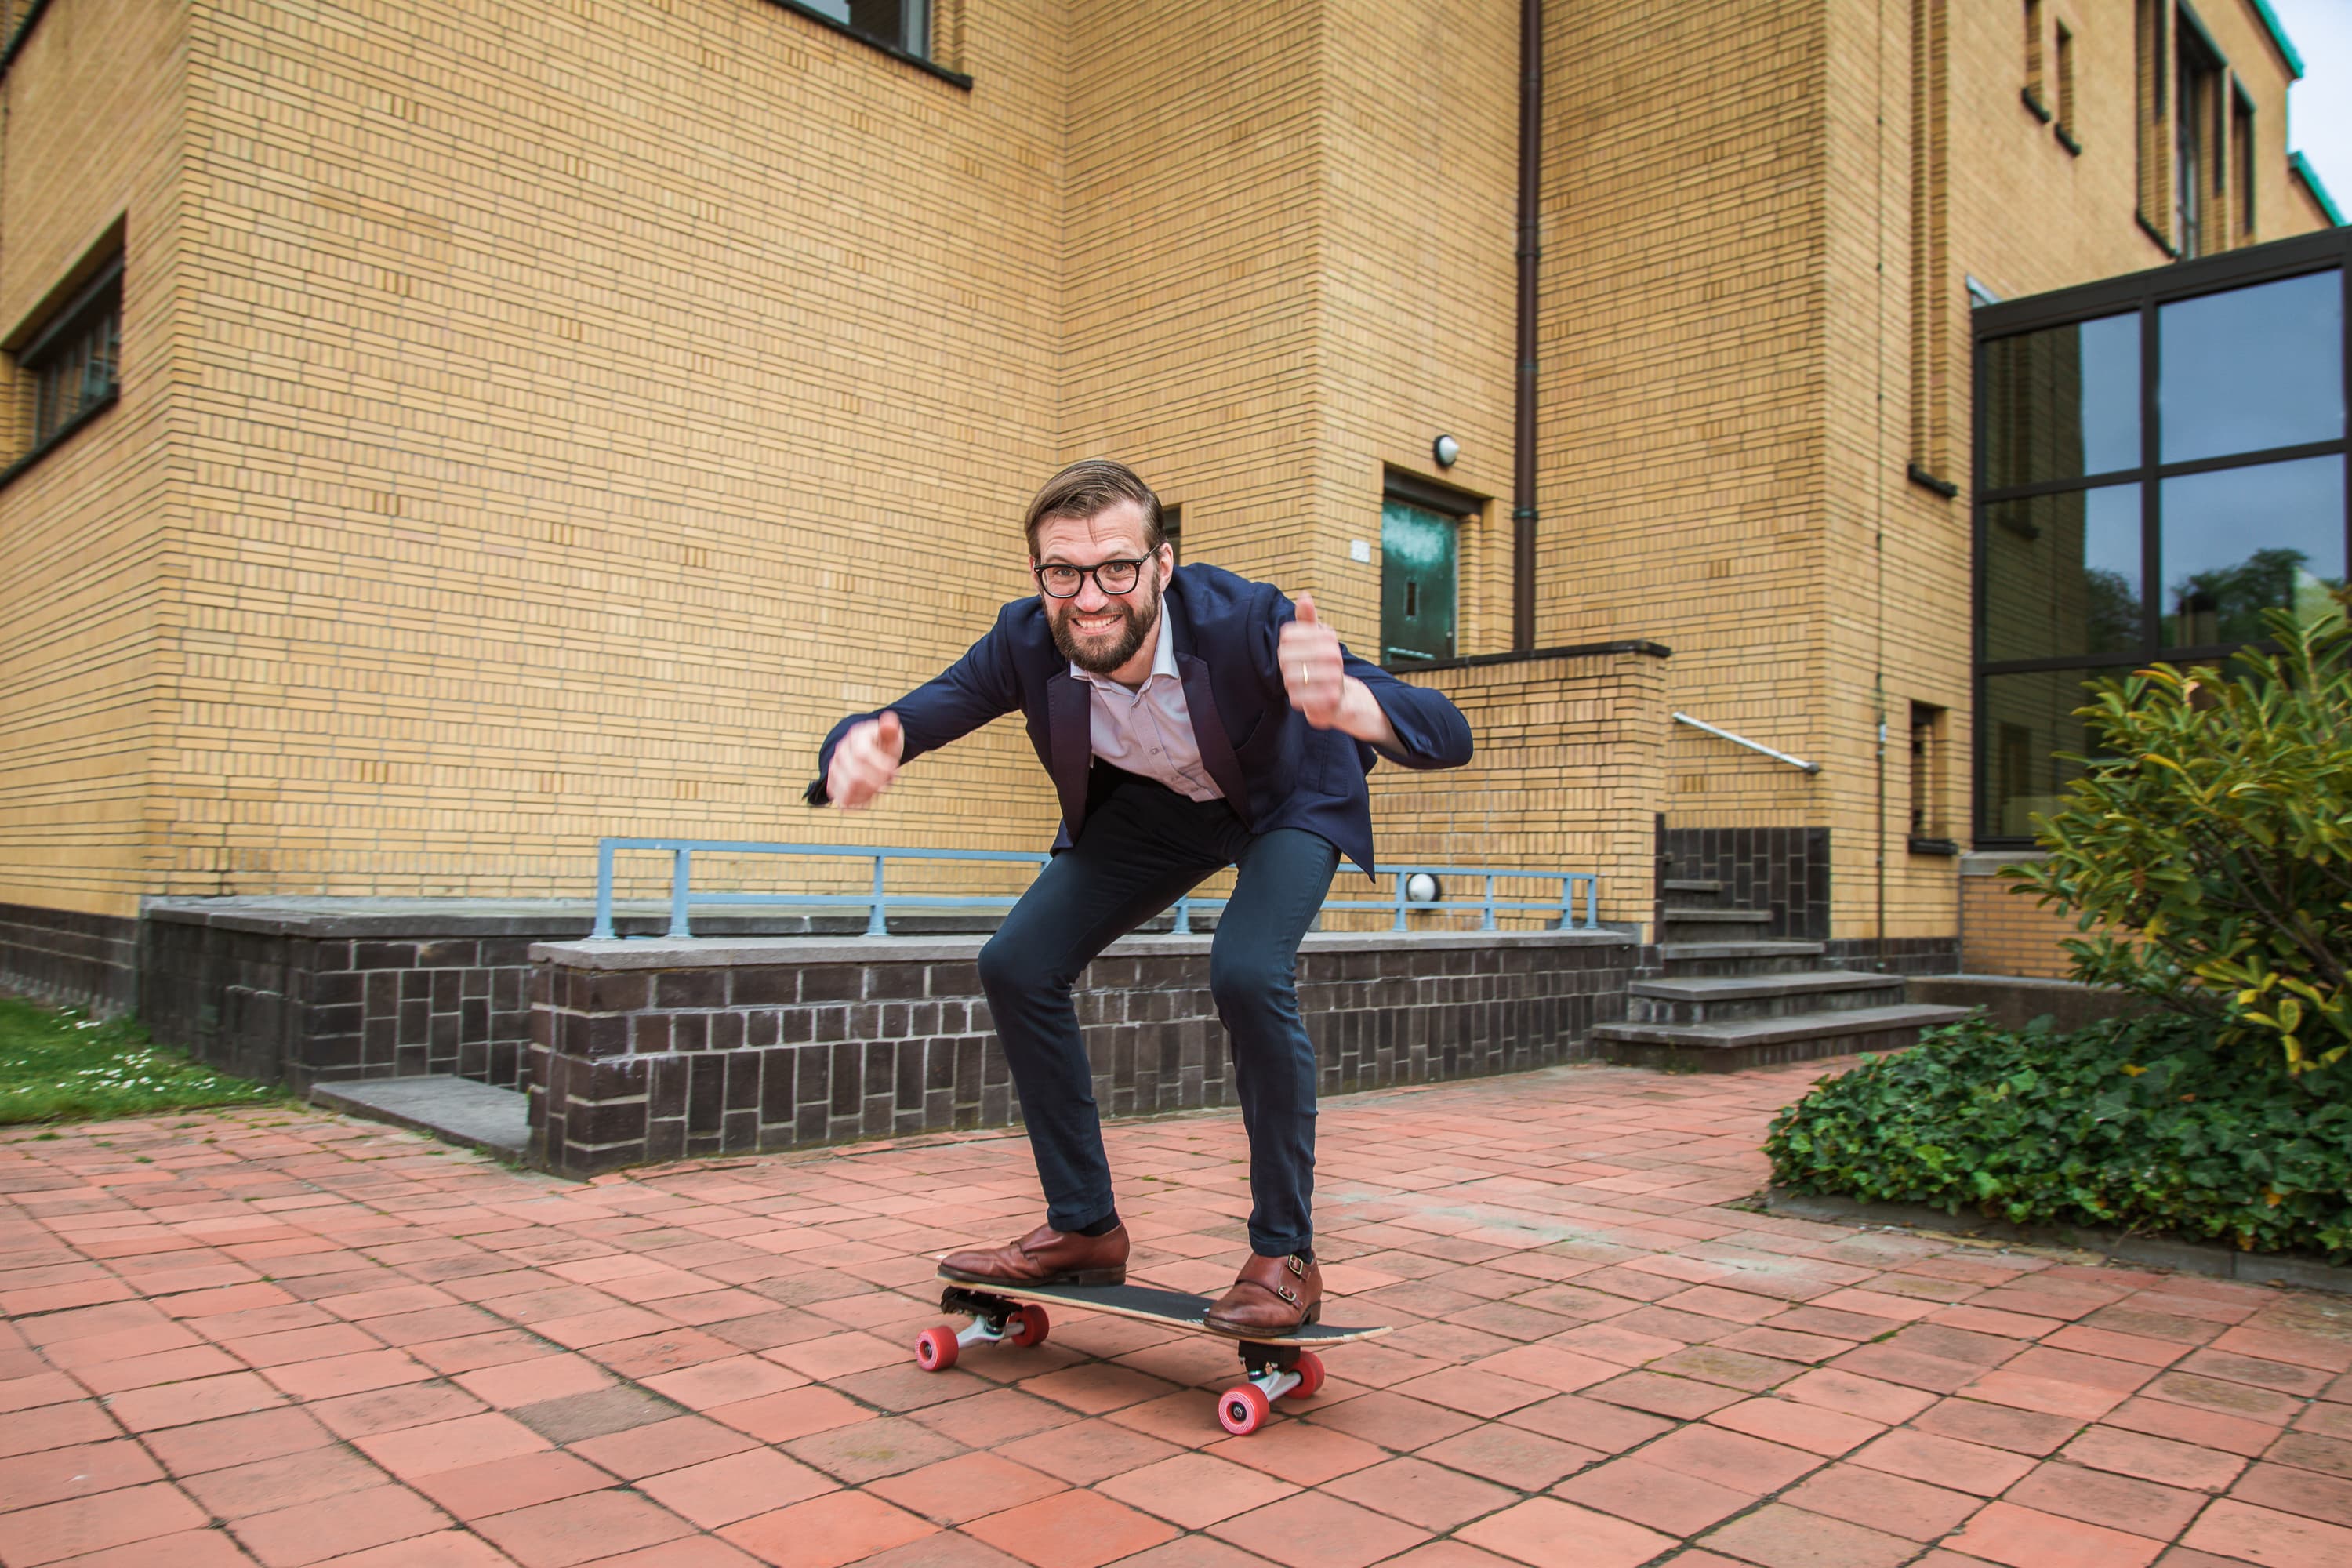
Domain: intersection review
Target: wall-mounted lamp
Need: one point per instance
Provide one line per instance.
(1445, 449)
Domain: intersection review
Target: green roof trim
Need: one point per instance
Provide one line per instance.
(2310, 177)
(2278, 36)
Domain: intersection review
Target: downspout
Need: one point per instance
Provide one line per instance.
(1523, 430)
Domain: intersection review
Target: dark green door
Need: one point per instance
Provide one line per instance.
(1417, 555)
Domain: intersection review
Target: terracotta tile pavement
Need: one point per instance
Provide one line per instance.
(279, 1337)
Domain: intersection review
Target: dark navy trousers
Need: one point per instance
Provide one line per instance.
(1142, 847)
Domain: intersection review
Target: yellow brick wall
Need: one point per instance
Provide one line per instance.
(2005, 931)
(91, 552)
(1684, 374)
(542, 420)
(596, 400)
(1569, 764)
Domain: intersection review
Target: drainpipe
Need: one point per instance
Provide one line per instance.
(1523, 432)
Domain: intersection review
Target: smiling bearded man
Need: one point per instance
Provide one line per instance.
(1190, 720)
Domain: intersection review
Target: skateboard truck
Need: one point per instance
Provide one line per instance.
(1270, 1372)
(994, 1321)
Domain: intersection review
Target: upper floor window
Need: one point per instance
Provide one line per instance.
(2241, 149)
(2037, 95)
(2064, 51)
(903, 25)
(2197, 169)
(73, 362)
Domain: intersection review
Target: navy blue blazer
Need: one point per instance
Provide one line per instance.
(1276, 769)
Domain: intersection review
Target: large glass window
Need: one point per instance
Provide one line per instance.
(2251, 368)
(2104, 540)
(2062, 574)
(2237, 541)
(2063, 403)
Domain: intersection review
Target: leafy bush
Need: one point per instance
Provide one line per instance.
(2132, 1124)
(2205, 848)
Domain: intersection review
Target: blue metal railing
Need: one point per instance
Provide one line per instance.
(879, 900)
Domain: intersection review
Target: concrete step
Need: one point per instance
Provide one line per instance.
(1720, 999)
(1761, 1042)
(1682, 959)
(455, 1110)
(1699, 925)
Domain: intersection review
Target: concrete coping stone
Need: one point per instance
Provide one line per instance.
(1989, 862)
(325, 918)
(2213, 1259)
(730, 952)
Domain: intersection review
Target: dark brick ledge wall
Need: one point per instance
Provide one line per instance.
(70, 958)
(303, 991)
(651, 1051)
(1785, 870)
(301, 1010)
(1896, 956)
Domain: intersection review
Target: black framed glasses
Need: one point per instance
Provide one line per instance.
(1113, 577)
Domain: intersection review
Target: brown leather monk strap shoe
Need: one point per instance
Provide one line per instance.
(1044, 1256)
(1271, 1296)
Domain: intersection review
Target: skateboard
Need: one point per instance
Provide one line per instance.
(1272, 1368)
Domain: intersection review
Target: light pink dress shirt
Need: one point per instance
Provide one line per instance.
(1149, 731)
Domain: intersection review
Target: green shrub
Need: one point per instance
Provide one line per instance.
(2208, 849)
(2133, 1124)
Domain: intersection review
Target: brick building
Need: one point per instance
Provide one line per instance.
(445, 433)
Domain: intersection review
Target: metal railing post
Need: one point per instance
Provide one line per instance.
(602, 930)
(1185, 916)
(877, 924)
(1592, 903)
(1399, 902)
(1488, 924)
(1567, 901)
(681, 869)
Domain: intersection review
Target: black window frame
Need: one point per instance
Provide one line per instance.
(920, 60)
(2145, 293)
(98, 300)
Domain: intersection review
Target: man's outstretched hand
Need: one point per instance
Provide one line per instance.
(1314, 677)
(865, 763)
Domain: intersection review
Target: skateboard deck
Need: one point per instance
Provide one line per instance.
(1275, 1368)
(1177, 1308)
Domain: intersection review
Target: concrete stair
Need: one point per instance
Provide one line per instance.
(1724, 997)
(455, 1110)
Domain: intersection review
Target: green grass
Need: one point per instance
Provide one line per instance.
(66, 1066)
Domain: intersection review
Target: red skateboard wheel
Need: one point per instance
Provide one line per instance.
(1243, 1410)
(935, 1349)
(1028, 1326)
(1310, 1375)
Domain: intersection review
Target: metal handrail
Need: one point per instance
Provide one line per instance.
(1565, 905)
(682, 852)
(879, 900)
(1797, 763)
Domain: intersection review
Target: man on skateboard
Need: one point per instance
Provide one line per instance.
(1190, 720)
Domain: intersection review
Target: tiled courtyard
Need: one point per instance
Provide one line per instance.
(280, 1337)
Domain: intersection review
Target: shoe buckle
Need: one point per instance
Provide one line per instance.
(1288, 1294)
(1296, 1266)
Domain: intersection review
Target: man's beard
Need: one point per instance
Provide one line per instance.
(1102, 659)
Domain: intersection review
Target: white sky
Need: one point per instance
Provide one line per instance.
(2319, 109)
